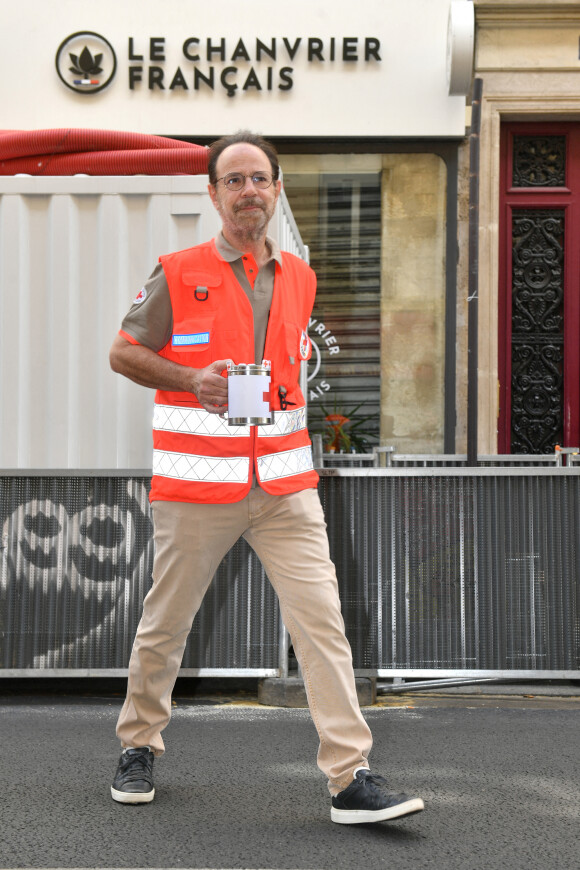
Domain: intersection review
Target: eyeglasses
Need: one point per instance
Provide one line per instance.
(237, 180)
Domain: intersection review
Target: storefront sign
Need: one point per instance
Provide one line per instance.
(377, 67)
(86, 62)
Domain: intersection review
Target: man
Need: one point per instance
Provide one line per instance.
(237, 298)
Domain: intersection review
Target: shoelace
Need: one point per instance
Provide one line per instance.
(378, 781)
(136, 767)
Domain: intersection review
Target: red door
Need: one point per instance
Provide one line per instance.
(539, 287)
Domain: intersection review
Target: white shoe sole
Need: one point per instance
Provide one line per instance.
(126, 797)
(361, 817)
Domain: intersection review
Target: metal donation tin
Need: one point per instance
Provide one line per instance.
(249, 394)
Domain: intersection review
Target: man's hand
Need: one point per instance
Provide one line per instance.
(211, 388)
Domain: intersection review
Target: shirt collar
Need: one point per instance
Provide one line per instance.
(230, 254)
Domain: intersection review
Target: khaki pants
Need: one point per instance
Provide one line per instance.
(289, 536)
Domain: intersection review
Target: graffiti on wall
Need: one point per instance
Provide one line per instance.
(74, 569)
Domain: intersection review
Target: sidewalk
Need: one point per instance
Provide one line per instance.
(239, 787)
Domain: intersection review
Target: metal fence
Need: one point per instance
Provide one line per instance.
(443, 572)
(454, 571)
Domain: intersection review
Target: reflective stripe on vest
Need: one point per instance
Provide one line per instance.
(285, 423)
(194, 421)
(187, 466)
(197, 421)
(285, 464)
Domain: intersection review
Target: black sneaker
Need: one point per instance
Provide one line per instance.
(367, 799)
(133, 783)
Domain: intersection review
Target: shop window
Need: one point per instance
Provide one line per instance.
(338, 214)
(376, 228)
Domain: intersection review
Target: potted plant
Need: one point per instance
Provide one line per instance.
(342, 433)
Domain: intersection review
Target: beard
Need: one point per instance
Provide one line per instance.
(251, 226)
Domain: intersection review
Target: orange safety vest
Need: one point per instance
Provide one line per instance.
(198, 456)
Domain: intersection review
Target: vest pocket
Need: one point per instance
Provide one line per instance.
(202, 287)
(192, 339)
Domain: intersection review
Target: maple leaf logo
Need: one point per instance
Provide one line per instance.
(85, 64)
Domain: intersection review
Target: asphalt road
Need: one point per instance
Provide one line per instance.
(239, 787)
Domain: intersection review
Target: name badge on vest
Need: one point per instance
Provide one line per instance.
(191, 339)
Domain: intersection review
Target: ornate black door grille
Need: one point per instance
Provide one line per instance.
(539, 161)
(537, 383)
